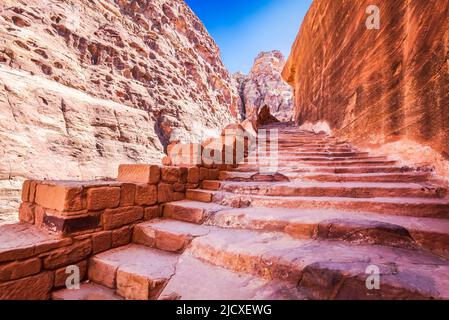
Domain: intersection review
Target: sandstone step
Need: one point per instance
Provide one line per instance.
(336, 170)
(190, 211)
(87, 291)
(348, 163)
(135, 271)
(418, 207)
(368, 177)
(287, 160)
(327, 269)
(317, 150)
(332, 177)
(197, 280)
(199, 195)
(357, 227)
(308, 147)
(334, 189)
(167, 235)
(22, 240)
(310, 153)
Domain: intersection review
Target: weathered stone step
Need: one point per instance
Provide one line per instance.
(23, 241)
(305, 146)
(418, 207)
(190, 211)
(332, 177)
(282, 159)
(319, 150)
(336, 170)
(356, 227)
(135, 271)
(198, 280)
(87, 291)
(327, 269)
(167, 235)
(332, 189)
(369, 177)
(298, 164)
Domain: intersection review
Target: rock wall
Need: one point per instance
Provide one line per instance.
(264, 86)
(377, 87)
(88, 84)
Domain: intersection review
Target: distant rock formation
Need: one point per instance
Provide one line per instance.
(264, 86)
(88, 84)
(377, 86)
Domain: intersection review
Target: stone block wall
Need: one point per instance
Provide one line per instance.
(64, 223)
(75, 220)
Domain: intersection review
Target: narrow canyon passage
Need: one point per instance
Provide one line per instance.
(312, 230)
(136, 166)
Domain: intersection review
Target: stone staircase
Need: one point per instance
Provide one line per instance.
(312, 230)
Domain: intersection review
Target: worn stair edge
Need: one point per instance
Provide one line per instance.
(327, 270)
(135, 271)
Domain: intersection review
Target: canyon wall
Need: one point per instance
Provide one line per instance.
(264, 86)
(386, 88)
(88, 84)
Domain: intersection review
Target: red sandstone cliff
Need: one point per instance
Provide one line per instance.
(88, 84)
(386, 87)
(264, 86)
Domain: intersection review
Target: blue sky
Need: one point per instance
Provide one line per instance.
(244, 28)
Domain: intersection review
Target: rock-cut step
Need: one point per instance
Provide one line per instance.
(332, 177)
(87, 291)
(168, 235)
(190, 211)
(355, 227)
(332, 169)
(418, 207)
(326, 269)
(135, 272)
(198, 280)
(332, 189)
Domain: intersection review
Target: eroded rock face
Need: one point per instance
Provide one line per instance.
(376, 87)
(264, 86)
(87, 85)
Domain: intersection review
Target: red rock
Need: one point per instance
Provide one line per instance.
(199, 195)
(65, 256)
(122, 236)
(179, 187)
(146, 195)
(36, 287)
(371, 92)
(127, 196)
(101, 241)
(139, 173)
(26, 212)
(193, 175)
(87, 291)
(19, 269)
(26, 191)
(264, 117)
(174, 174)
(115, 218)
(61, 275)
(102, 198)
(166, 161)
(166, 193)
(139, 273)
(67, 224)
(265, 86)
(22, 240)
(59, 197)
(152, 213)
(211, 185)
(105, 110)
